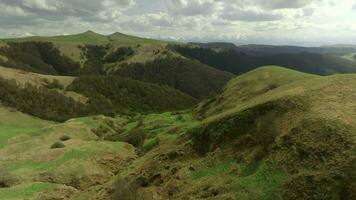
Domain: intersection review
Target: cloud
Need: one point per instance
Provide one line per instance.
(229, 20)
(191, 7)
(249, 15)
(38, 4)
(281, 4)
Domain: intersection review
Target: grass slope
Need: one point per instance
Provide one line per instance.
(272, 133)
(24, 77)
(303, 126)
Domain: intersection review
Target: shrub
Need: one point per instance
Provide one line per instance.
(40, 101)
(6, 179)
(180, 118)
(53, 85)
(57, 145)
(150, 144)
(136, 137)
(64, 138)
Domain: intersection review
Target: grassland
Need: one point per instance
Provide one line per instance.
(24, 77)
(272, 133)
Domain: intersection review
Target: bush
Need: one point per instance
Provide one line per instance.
(40, 101)
(64, 138)
(6, 179)
(53, 85)
(58, 145)
(150, 144)
(136, 137)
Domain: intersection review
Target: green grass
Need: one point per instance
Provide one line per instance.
(150, 144)
(253, 88)
(263, 183)
(13, 123)
(8, 132)
(258, 180)
(25, 191)
(222, 167)
(90, 150)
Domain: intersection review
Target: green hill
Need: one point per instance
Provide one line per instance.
(117, 54)
(303, 127)
(272, 133)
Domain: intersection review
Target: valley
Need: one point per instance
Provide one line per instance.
(91, 116)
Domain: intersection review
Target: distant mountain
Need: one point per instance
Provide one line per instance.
(225, 45)
(265, 50)
(245, 58)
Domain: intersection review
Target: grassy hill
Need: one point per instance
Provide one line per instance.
(272, 133)
(117, 54)
(303, 128)
(70, 45)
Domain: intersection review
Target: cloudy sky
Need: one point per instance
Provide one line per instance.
(300, 22)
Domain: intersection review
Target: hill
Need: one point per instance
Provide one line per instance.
(239, 62)
(273, 133)
(72, 48)
(60, 98)
(117, 54)
(268, 50)
(303, 129)
(189, 76)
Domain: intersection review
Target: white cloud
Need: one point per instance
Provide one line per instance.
(250, 21)
(191, 7)
(38, 4)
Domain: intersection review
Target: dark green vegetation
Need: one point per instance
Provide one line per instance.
(57, 145)
(107, 95)
(188, 76)
(40, 101)
(97, 56)
(238, 62)
(42, 57)
(112, 94)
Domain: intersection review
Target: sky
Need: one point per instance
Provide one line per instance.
(277, 22)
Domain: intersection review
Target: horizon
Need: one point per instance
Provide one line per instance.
(309, 23)
(187, 42)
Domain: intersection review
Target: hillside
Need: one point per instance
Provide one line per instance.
(189, 76)
(303, 129)
(273, 133)
(90, 53)
(60, 98)
(248, 58)
(71, 48)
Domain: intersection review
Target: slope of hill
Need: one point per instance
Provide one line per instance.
(90, 53)
(60, 98)
(239, 62)
(25, 77)
(70, 47)
(188, 76)
(273, 133)
(303, 128)
(32, 167)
